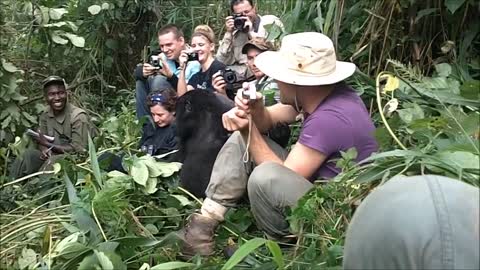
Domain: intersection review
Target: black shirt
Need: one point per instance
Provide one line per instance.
(203, 80)
(160, 139)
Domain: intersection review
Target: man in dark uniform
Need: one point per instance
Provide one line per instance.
(67, 124)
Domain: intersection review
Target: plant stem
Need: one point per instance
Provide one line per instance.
(25, 178)
(380, 110)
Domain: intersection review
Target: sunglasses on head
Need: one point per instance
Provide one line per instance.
(157, 99)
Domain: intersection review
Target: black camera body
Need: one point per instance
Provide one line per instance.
(229, 76)
(239, 21)
(193, 56)
(154, 60)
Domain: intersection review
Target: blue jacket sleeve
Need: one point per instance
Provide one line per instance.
(139, 73)
(173, 81)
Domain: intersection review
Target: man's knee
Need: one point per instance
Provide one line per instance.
(159, 82)
(262, 177)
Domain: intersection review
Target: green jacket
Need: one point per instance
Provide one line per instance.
(72, 127)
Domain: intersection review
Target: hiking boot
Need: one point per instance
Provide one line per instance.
(197, 235)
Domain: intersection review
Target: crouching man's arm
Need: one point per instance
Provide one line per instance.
(302, 159)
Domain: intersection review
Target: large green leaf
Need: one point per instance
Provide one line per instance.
(460, 159)
(243, 252)
(151, 185)
(160, 168)
(411, 113)
(83, 219)
(453, 5)
(276, 253)
(9, 67)
(139, 172)
(104, 261)
(56, 13)
(94, 9)
(89, 263)
(57, 38)
(94, 162)
(77, 41)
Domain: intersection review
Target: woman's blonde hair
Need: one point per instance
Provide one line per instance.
(205, 31)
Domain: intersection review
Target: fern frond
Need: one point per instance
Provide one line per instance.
(408, 72)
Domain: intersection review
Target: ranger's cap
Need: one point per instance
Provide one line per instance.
(52, 79)
(258, 43)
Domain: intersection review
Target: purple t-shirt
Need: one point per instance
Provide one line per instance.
(340, 122)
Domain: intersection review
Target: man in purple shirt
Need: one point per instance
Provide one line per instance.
(310, 80)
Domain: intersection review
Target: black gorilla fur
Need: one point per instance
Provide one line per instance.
(201, 136)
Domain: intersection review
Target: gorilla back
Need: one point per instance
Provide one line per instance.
(201, 136)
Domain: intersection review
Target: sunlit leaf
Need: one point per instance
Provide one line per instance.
(151, 185)
(77, 41)
(182, 199)
(58, 39)
(392, 83)
(94, 9)
(89, 262)
(115, 173)
(28, 258)
(172, 265)
(56, 168)
(139, 172)
(9, 67)
(56, 13)
(443, 69)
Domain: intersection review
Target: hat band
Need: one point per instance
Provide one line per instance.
(315, 73)
(318, 64)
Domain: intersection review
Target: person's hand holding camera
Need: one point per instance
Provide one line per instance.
(183, 58)
(148, 70)
(229, 24)
(165, 70)
(244, 103)
(219, 83)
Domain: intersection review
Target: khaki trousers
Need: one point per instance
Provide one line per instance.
(271, 187)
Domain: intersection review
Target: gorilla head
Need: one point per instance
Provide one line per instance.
(201, 136)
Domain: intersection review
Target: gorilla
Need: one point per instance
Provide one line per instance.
(200, 135)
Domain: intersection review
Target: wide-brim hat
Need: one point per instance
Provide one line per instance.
(306, 58)
(53, 79)
(259, 43)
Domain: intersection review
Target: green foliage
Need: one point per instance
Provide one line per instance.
(83, 217)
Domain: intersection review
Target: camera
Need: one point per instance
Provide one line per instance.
(239, 21)
(154, 60)
(229, 76)
(193, 56)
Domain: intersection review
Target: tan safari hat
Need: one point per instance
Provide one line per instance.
(306, 58)
(258, 43)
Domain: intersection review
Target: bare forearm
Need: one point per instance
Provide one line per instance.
(259, 150)
(262, 120)
(182, 84)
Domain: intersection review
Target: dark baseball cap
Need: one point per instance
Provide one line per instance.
(259, 43)
(53, 79)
